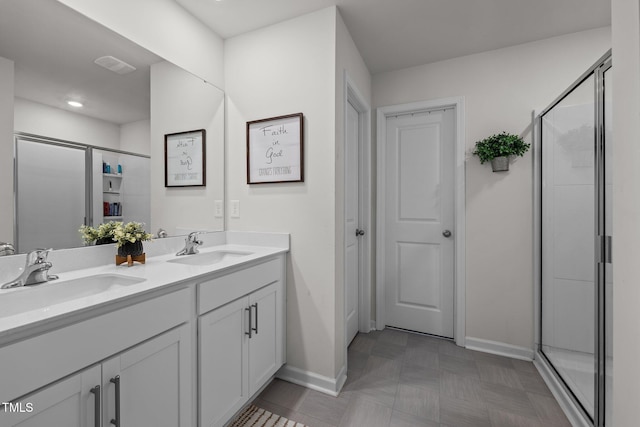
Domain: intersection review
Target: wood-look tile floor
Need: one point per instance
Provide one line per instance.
(399, 379)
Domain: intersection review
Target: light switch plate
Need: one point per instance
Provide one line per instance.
(235, 208)
(218, 209)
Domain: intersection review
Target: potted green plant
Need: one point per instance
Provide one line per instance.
(497, 149)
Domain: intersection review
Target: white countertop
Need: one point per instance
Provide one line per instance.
(155, 274)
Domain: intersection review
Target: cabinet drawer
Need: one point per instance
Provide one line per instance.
(38, 361)
(222, 290)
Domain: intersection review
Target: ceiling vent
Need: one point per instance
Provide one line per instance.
(114, 64)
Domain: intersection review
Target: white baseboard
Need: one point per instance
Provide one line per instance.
(575, 417)
(372, 327)
(326, 385)
(499, 348)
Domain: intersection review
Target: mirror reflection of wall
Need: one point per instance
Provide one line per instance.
(182, 102)
(47, 54)
(121, 187)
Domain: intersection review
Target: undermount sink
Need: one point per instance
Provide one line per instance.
(40, 296)
(209, 258)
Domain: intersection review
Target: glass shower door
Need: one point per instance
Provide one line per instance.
(608, 230)
(568, 241)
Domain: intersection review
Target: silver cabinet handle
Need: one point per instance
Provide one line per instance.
(359, 232)
(250, 329)
(446, 233)
(116, 381)
(256, 328)
(96, 407)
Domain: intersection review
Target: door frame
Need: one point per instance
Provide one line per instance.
(459, 301)
(353, 96)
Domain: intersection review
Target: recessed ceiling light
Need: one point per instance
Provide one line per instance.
(75, 104)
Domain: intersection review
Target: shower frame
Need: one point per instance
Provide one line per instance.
(572, 407)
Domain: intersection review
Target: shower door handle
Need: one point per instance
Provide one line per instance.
(605, 249)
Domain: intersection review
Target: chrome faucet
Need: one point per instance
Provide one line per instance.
(191, 244)
(36, 270)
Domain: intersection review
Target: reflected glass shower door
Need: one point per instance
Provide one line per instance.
(50, 194)
(568, 241)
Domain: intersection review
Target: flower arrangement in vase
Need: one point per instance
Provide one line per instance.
(101, 235)
(129, 238)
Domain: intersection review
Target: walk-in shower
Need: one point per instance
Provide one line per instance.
(573, 154)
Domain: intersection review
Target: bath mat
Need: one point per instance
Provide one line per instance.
(253, 416)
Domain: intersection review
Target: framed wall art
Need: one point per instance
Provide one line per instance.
(184, 159)
(275, 150)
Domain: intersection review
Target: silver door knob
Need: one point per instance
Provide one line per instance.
(359, 232)
(446, 233)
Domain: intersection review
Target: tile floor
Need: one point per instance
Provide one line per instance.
(398, 379)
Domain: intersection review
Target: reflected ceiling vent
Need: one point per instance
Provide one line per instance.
(114, 64)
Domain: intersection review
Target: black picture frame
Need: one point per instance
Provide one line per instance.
(185, 163)
(275, 150)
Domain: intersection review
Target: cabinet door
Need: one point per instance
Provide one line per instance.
(68, 403)
(153, 380)
(223, 361)
(265, 344)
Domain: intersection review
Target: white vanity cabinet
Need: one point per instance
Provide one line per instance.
(145, 385)
(240, 342)
(68, 403)
(265, 342)
(139, 374)
(189, 351)
(149, 384)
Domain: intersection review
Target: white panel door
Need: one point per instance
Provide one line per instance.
(419, 219)
(352, 250)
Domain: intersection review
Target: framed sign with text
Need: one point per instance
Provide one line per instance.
(184, 159)
(275, 150)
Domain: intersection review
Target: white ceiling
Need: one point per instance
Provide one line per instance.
(54, 47)
(395, 34)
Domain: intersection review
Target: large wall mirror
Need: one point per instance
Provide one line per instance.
(103, 160)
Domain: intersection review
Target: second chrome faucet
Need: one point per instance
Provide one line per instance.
(191, 244)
